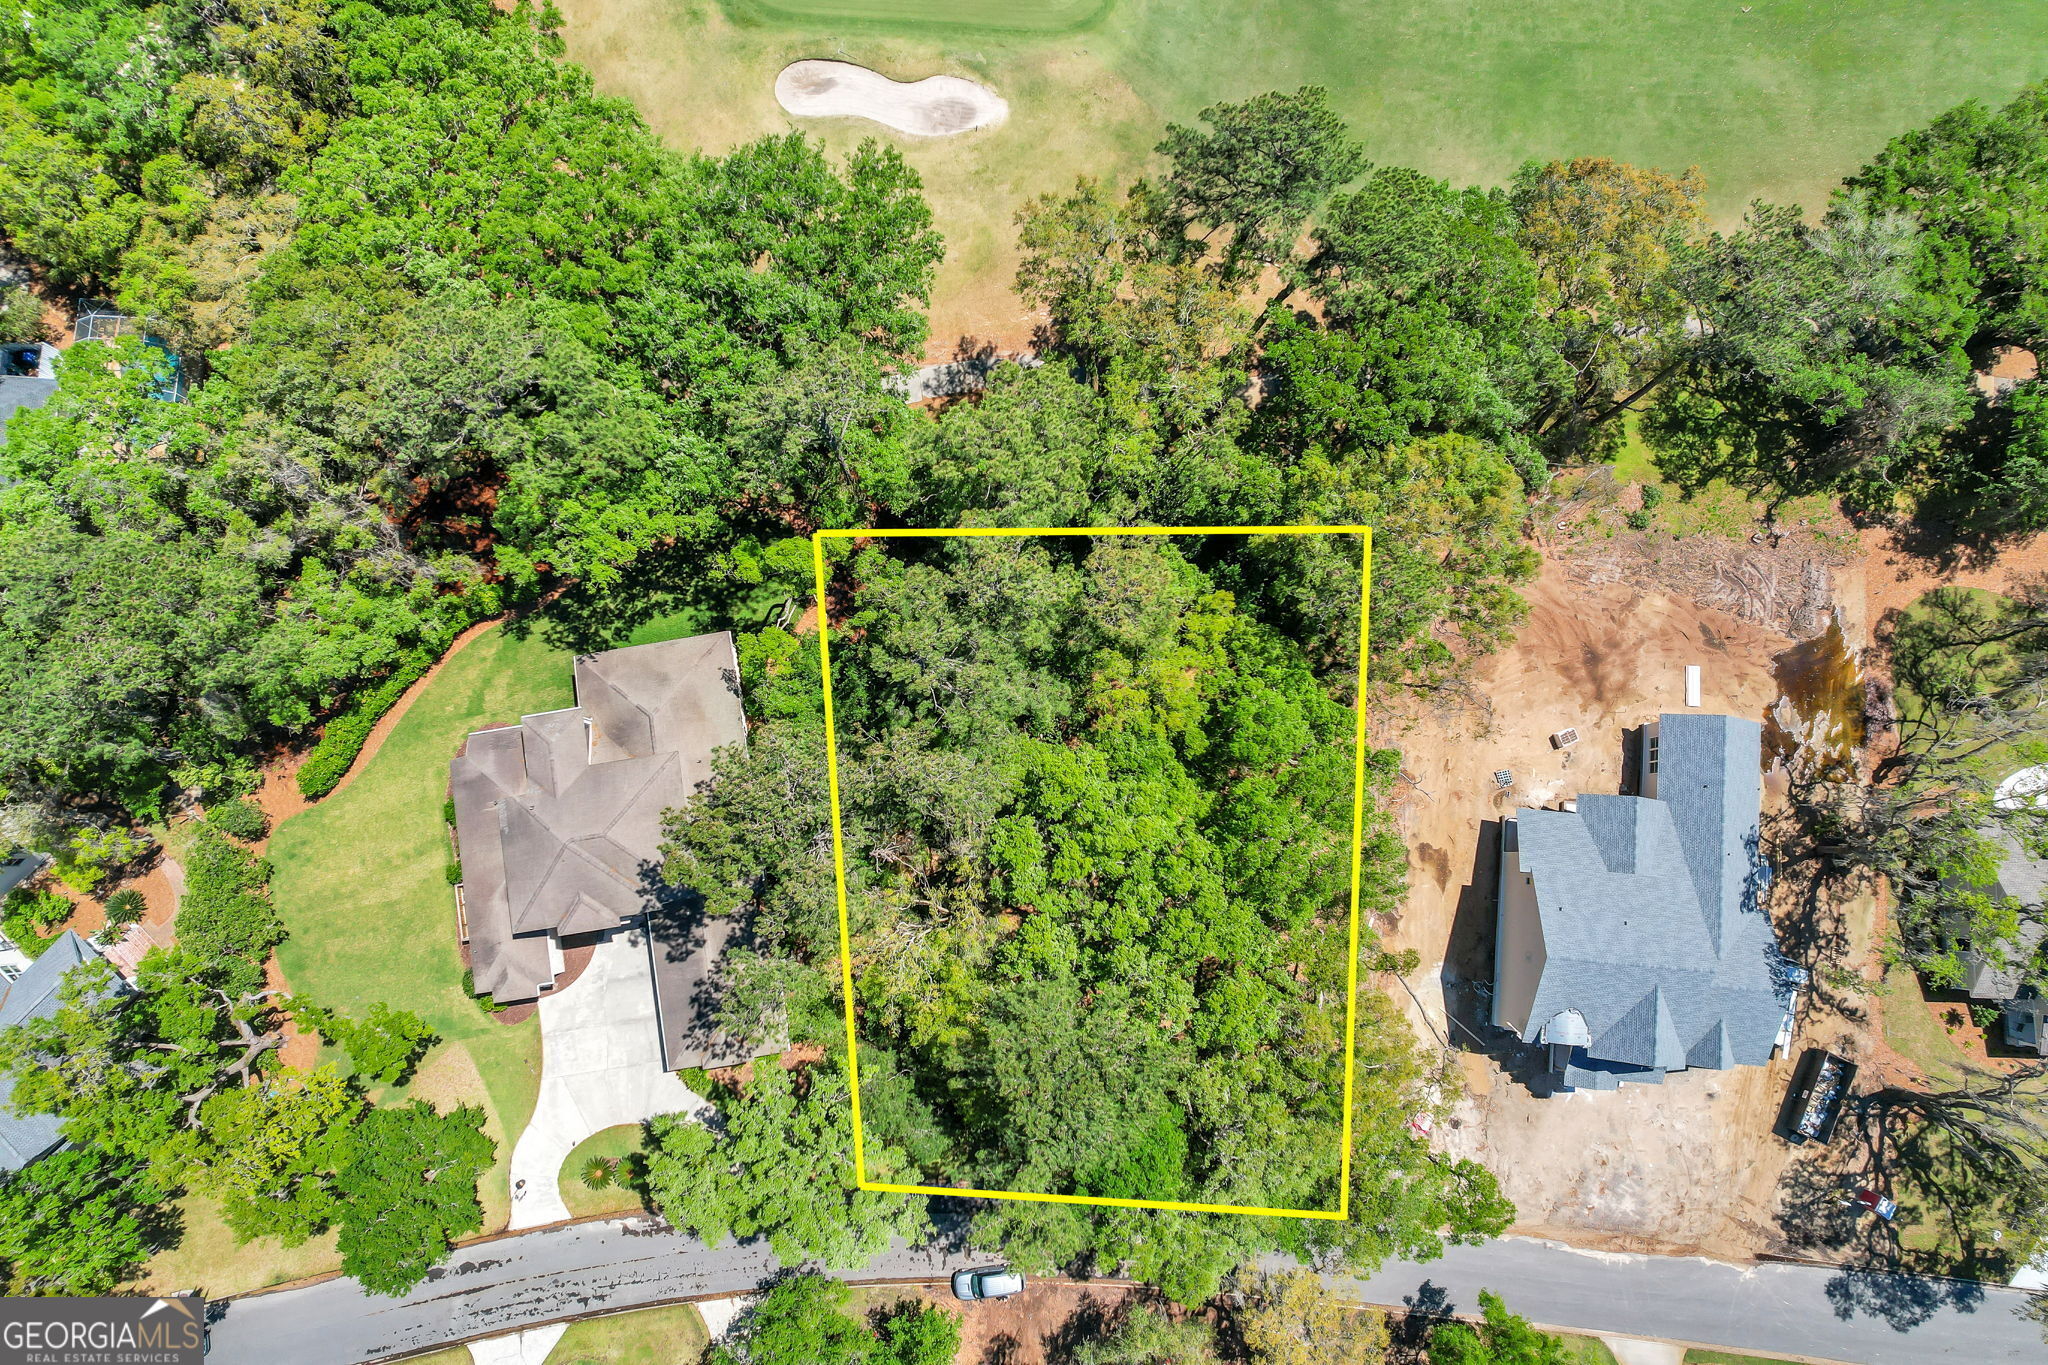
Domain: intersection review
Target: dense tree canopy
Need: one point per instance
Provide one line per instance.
(1838, 356)
(76, 1222)
(461, 327)
(177, 1086)
(1499, 1338)
(803, 1319)
(1098, 827)
(428, 329)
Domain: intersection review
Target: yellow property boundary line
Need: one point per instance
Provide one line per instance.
(1343, 1210)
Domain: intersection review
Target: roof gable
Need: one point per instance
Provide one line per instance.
(38, 994)
(1648, 910)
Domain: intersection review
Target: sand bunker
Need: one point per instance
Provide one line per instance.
(933, 107)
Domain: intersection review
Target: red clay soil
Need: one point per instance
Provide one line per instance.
(1006, 337)
(1891, 577)
(1025, 1330)
(1895, 577)
(159, 884)
(794, 1056)
(301, 1050)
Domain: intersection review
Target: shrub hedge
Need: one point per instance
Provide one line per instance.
(226, 908)
(241, 818)
(346, 734)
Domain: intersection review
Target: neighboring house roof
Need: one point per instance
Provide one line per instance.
(18, 866)
(2022, 878)
(559, 818)
(1652, 931)
(34, 995)
(22, 391)
(2026, 1025)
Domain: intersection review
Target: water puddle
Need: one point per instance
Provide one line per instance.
(1817, 722)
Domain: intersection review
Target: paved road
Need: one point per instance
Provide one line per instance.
(553, 1273)
(505, 1285)
(1789, 1309)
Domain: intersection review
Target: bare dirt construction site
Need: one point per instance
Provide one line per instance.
(1691, 1166)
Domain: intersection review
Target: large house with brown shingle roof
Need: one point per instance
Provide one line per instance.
(559, 823)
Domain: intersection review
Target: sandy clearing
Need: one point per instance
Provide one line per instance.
(1890, 575)
(937, 106)
(1689, 1166)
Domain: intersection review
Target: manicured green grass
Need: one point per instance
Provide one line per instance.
(1587, 1351)
(1955, 1234)
(453, 1355)
(1005, 16)
(359, 879)
(650, 1336)
(1719, 509)
(1915, 1034)
(1948, 614)
(208, 1259)
(1696, 1356)
(618, 1197)
(1776, 103)
(359, 882)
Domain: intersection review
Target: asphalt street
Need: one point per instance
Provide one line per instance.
(571, 1271)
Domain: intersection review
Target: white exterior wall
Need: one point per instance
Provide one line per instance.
(1649, 783)
(1518, 953)
(16, 868)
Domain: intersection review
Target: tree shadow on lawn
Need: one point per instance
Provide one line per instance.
(586, 617)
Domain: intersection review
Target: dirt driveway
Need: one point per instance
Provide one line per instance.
(1038, 1327)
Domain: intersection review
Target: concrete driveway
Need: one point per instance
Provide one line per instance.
(600, 1043)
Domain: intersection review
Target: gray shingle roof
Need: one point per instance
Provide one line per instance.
(1649, 914)
(34, 995)
(2022, 878)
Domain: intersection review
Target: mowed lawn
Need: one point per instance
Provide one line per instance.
(1778, 102)
(670, 1335)
(360, 880)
